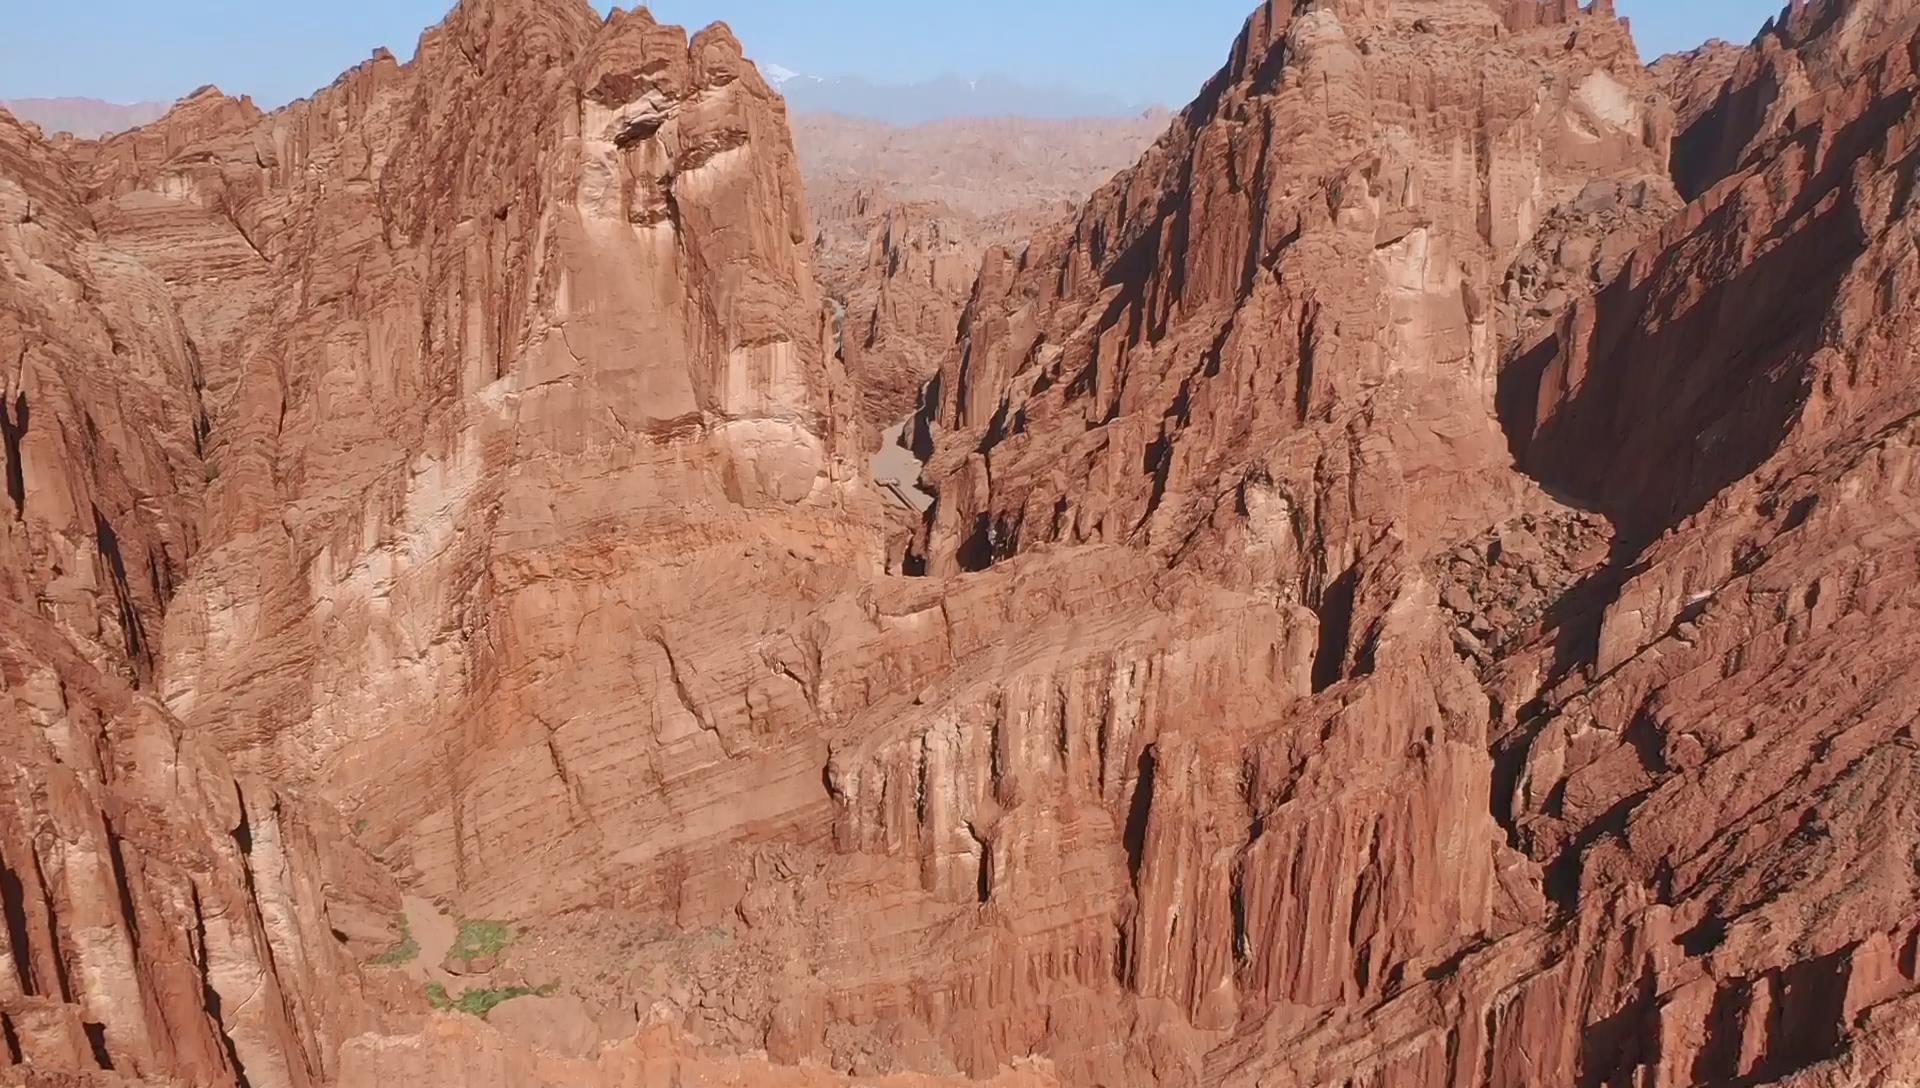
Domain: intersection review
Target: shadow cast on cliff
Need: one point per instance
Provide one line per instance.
(1681, 394)
(1673, 404)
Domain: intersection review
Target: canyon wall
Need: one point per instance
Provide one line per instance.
(1413, 595)
(165, 917)
(902, 217)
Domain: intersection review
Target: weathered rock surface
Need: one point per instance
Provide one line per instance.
(1672, 880)
(1408, 602)
(165, 919)
(516, 336)
(1693, 80)
(451, 1053)
(903, 216)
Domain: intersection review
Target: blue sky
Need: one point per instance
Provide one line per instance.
(276, 50)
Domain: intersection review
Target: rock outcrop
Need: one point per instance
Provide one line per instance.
(165, 920)
(903, 216)
(1417, 589)
(518, 335)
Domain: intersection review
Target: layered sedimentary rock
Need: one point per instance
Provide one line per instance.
(901, 293)
(1407, 602)
(1322, 185)
(1693, 80)
(165, 920)
(452, 1053)
(903, 215)
(1704, 748)
(1733, 741)
(517, 336)
(1682, 887)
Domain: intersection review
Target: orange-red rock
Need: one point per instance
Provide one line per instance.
(166, 920)
(903, 215)
(1408, 601)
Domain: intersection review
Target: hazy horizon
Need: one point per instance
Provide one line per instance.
(1110, 58)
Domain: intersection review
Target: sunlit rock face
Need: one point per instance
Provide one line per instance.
(166, 920)
(1408, 598)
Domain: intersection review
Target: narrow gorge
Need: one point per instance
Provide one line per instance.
(1416, 582)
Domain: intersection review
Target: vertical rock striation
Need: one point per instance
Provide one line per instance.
(1410, 599)
(166, 921)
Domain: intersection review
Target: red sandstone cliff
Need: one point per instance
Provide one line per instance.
(164, 918)
(903, 215)
(1408, 602)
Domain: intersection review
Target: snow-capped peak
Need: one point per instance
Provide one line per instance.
(778, 74)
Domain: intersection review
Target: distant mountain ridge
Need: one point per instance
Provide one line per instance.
(941, 98)
(86, 118)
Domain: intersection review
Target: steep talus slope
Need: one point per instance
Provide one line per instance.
(164, 919)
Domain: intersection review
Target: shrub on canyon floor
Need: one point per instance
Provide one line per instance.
(481, 1002)
(479, 940)
(403, 951)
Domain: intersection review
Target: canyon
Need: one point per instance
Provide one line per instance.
(1415, 585)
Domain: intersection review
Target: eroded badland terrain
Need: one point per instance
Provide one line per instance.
(1419, 585)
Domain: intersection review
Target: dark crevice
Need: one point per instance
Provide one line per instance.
(1242, 943)
(638, 130)
(97, 1039)
(211, 997)
(1705, 937)
(983, 881)
(996, 431)
(1303, 381)
(1364, 894)
(56, 955)
(1159, 465)
(243, 832)
(13, 426)
(1562, 877)
(913, 565)
(160, 575)
(920, 771)
(1336, 627)
(117, 857)
(1509, 763)
(1809, 1016)
(108, 544)
(15, 1055)
(1135, 835)
(1612, 1049)
(1719, 1060)
(13, 901)
(976, 551)
(1649, 742)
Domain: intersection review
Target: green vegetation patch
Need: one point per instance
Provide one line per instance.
(481, 1002)
(403, 951)
(478, 938)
